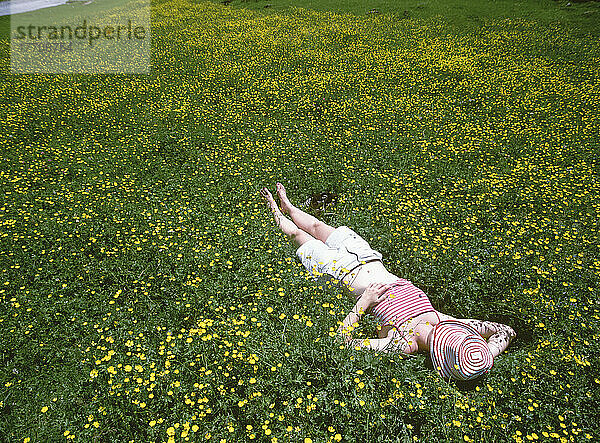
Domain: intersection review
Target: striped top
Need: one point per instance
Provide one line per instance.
(404, 302)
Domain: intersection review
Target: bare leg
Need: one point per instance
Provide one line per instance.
(288, 227)
(304, 221)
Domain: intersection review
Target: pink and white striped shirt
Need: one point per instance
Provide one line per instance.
(404, 301)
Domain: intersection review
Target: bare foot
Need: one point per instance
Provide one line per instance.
(285, 203)
(264, 192)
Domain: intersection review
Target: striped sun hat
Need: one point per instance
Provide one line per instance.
(459, 352)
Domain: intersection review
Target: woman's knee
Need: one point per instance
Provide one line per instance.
(322, 231)
(300, 237)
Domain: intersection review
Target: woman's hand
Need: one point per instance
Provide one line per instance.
(374, 294)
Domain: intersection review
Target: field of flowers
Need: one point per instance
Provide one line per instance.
(146, 294)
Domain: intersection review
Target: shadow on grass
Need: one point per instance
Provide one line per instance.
(525, 331)
(463, 386)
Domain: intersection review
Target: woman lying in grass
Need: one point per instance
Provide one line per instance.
(460, 349)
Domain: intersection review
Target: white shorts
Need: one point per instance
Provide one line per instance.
(342, 252)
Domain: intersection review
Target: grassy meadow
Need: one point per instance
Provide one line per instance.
(146, 294)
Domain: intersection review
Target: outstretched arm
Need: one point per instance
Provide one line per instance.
(498, 335)
(371, 297)
(352, 319)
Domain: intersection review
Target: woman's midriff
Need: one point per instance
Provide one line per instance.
(361, 277)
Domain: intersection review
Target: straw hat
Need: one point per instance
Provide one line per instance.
(459, 352)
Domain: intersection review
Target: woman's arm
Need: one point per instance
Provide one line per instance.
(371, 297)
(498, 335)
(352, 319)
(392, 343)
(377, 344)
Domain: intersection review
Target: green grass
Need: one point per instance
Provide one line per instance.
(582, 16)
(145, 289)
